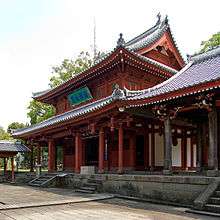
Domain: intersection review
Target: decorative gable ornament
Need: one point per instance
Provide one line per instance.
(121, 41)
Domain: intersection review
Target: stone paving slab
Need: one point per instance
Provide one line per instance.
(80, 198)
(111, 209)
(14, 197)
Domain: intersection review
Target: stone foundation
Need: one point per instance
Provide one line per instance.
(174, 189)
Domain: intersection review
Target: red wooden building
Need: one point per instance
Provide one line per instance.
(139, 108)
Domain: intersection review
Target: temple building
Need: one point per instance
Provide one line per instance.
(139, 108)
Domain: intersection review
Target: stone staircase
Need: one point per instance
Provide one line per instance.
(213, 204)
(91, 186)
(43, 180)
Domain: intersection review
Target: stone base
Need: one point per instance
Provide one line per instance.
(87, 170)
(167, 172)
(212, 173)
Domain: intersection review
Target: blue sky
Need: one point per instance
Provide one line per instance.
(38, 34)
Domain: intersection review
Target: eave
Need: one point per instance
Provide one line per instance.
(119, 56)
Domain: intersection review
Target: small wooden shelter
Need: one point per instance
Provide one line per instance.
(8, 150)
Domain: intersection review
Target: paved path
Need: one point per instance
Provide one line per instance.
(12, 196)
(112, 209)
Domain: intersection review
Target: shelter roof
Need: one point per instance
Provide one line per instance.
(12, 146)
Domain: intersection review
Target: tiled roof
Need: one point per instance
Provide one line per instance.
(41, 93)
(149, 36)
(82, 110)
(156, 63)
(202, 68)
(145, 59)
(12, 146)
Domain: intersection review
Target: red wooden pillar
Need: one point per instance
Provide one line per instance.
(78, 152)
(12, 170)
(132, 150)
(152, 148)
(120, 149)
(51, 155)
(101, 150)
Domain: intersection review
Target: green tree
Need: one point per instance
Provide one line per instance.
(69, 68)
(4, 135)
(14, 126)
(38, 111)
(211, 42)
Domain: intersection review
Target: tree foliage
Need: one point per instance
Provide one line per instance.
(69, 68)
(4, 135)
(38, 111)
(14, 126)
(211, 42)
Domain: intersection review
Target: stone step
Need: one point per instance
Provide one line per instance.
(84, 191)
(203, 213)
(214, 200)
(217, 193)
(88, 188)
(212, 208)
(92, 184)
(94, 181)
(34, 184)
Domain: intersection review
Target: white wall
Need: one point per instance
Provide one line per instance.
(159, 150)
(188, 152)
(176, 154)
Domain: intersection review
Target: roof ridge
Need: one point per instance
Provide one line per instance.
(58, 118)
(37, 94)
(139, 92)
(150, 60)
(159, 24)
(213, 52)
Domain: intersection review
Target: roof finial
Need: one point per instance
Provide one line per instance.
(188, 57)
(158, 18)
(120, 41)
(166, 19)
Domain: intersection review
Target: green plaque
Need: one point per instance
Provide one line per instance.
(79, 96)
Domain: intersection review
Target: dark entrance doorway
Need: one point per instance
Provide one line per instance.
(92, 151)
(140, 152)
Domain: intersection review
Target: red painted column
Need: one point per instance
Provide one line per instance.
(120, 149)
(132, 150)
(12, 170)
(101, 150)
(78, 150)
(51, 155)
